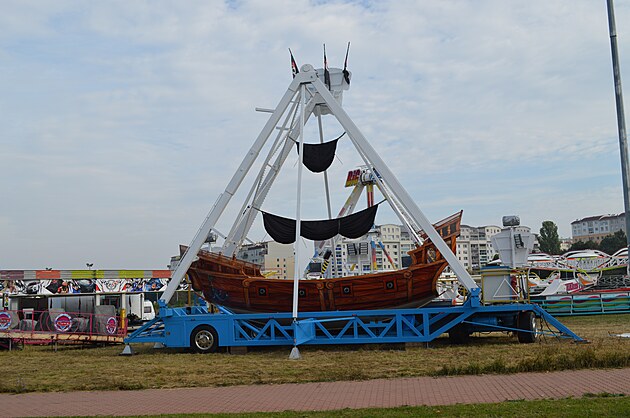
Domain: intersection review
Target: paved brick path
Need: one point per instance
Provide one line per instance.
(322, 396)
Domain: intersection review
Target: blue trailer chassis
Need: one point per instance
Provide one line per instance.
(176, 327)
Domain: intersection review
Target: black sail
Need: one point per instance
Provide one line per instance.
(282, 230)
(318, 157)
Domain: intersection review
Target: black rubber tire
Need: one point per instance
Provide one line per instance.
(459, 334)
(527, 322)
(4, 344)
(204, 339)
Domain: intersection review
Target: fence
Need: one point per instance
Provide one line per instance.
(596, 303)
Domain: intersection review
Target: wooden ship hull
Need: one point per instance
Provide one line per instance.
(240, 285)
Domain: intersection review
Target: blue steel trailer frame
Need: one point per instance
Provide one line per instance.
(176, 327)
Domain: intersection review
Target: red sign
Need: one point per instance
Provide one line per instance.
(353, 177)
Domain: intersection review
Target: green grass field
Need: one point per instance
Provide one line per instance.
(42, 369)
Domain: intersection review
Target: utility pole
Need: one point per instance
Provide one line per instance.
(621, 121)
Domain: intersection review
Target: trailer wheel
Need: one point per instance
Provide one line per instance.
(204, 339)
(527, 322)
(459, 334)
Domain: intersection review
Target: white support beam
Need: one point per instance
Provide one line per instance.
(298, 217)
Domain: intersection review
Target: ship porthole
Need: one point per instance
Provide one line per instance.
(301, 292)
(389, 285)
(262, 291)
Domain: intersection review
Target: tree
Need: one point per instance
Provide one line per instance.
(581, 245)
(549, 240)
(578, 245)
(613, 243)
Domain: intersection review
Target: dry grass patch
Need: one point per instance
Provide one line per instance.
(72, 368)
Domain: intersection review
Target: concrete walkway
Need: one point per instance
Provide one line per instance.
(322, 396)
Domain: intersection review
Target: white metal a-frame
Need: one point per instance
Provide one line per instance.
(308, 89)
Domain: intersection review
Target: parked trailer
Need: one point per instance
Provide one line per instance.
(202, 331)
(54, 325)
(136, 306)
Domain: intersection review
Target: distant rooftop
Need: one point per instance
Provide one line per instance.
(597, 218)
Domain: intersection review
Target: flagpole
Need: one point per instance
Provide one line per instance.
(294, 68)
(621, 121)
(326, 73)
(346, 74)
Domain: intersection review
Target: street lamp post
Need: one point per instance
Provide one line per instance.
(621, 121)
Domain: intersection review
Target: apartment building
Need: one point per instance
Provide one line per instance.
(595, 228)
(474, 245)
(384, 247)
(275, 260)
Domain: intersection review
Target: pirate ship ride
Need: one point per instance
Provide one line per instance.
(240, 286)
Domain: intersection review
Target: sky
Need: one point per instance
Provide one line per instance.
(122, 122)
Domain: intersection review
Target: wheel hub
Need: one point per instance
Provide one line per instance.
(204, 340)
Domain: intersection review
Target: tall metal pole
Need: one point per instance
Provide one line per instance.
(333, 239)
(621, 121)
(298, 218)
(295, 352)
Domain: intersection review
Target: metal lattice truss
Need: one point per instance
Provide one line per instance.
(392, 326)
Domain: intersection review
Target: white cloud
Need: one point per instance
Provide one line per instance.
(122, 122)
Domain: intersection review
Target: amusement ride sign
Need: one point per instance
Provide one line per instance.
(63, 322)
(5, 320)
